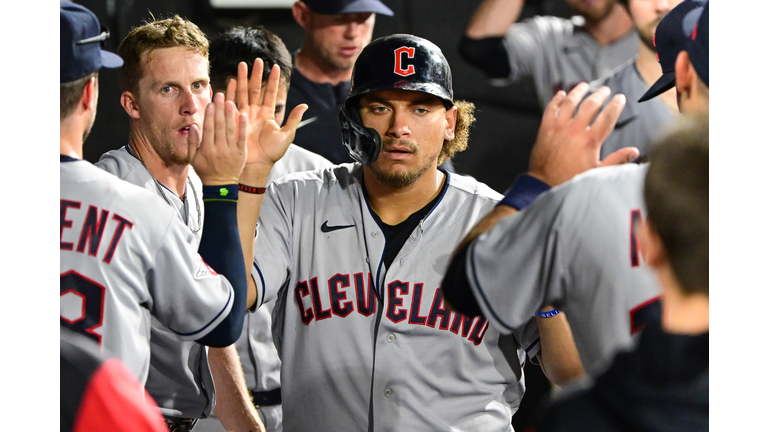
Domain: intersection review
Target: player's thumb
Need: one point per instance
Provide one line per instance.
(621, 156)
(193, 141)
(295, 118)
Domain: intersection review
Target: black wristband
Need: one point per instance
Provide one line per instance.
(220, 193)
(523, 192)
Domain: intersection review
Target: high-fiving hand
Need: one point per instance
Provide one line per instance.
(267, 142)
(219, 155)
(569, 144)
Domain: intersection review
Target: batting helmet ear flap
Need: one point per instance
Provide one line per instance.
(362, 143)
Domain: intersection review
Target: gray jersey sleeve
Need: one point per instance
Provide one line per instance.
(529, 42)
(574, 248)
(176, 266)
(529, 245)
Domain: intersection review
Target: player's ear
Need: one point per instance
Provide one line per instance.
(451, 117)
(301, 14)
(130, 105)
(684, 75)
(90, 94)
(650, 245)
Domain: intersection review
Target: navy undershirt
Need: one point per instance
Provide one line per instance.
(397, 235)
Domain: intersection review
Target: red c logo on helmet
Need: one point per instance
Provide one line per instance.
(410, 52)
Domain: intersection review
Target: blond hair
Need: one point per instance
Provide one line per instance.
(465, 117)
(136, 48)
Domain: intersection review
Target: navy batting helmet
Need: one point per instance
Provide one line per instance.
(402, 62)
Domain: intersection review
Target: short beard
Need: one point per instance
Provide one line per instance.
(399, 180)
(599, 15)
(169, 155)
(329, 60)
(647, 37)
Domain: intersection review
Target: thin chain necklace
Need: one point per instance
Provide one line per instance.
(160, 190)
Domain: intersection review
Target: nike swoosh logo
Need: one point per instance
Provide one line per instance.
(622, 123)
(325, 228)
(306, 122)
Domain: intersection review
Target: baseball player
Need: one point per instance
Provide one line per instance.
(261, 363)
(573, 247)
(640, 123)
(166, 85)
(662, 385)
(120, 250)
(557, 53)
(355, 253)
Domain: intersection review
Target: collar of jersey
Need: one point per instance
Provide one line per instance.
(65, 158)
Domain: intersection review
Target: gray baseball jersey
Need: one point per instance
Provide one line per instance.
(261, 363)
(558, 54)
(574, 247)
(179, 379)
(639, 123)
(125, 255)
(362, 342)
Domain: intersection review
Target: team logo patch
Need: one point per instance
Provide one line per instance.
(204, 270)
(408, 52)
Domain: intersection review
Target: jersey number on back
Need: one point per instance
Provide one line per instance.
(82, 304)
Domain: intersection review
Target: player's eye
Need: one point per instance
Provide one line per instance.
(420, 110)
(166, 89)
(379, 109)
(198, 85)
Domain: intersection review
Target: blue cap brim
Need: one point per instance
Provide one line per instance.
(368, 7)
(355, 6)
(110, 60)
(666, 82)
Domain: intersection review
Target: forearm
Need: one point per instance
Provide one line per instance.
(559, 358)
(493, 18)
(233, 402)
(220, 248)
(248, 209)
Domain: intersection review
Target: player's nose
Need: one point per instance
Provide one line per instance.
(189, 103)
(398, 124)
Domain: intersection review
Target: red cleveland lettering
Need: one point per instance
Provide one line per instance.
(403, 303)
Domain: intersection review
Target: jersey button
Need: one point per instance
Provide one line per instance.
(375, 234)
(390, 338)
(387, 392)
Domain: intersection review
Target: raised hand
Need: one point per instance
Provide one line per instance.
(569, 144)
(219, 155)
(267, 142)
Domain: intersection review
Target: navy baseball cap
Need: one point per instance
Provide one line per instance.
(81, 37)
(332, 7)
(698, 46)
(670, 38)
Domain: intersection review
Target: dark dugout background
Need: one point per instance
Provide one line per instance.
(499, 144)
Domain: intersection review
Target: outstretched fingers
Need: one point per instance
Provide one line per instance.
(242, 86)
(553, 107)
(270, 91)
(607, 118)
(590, 107)
(231, 119)
(572, 100)
(219, 138)
(254, 85)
